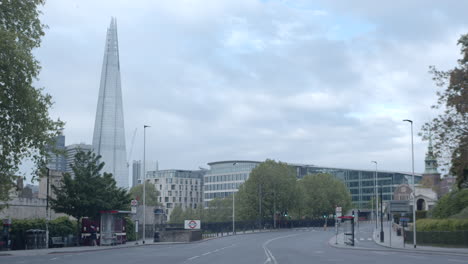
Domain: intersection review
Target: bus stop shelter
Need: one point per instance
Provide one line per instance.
(112, 229)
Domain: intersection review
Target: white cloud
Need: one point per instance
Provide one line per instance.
(254, 80)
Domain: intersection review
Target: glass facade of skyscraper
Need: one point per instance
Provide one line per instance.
(225, 177)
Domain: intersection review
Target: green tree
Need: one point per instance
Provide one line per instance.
(219, 210)
(25, 125)
(177, 215)
(451, 204)
(88, 192)
(322, 193)
(136, 192)
(449, 130)
(271, 186)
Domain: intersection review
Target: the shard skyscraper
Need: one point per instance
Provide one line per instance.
(109, 132)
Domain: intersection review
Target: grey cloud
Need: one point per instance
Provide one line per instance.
(284, 90)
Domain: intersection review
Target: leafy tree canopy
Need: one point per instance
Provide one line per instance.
(25, 125)
(136, 192)
(88, 192)
(449, 130)
(322, 193)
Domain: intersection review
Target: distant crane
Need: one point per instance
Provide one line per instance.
(131, 147)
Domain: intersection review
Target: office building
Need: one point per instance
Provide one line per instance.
(225, 177)
(71, 151)
(178, 188)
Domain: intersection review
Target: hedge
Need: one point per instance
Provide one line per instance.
(450, 204)
(61, 226)
(442, 225)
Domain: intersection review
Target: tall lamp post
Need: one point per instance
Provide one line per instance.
(414, 188)
(47, 209)
(375, 192)
(234, 208)
(144, 182)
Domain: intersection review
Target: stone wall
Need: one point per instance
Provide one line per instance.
(180, 236)
(26, 208)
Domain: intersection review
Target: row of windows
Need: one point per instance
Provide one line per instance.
(175, 199)
(228, 177)
(177, 193)
(232, 167)
(222, 186)
(172, 205)
(217, 195)
(181, 187)
(366, 198)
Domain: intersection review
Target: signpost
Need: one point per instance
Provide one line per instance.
(134, 204)
(192, 224)
(399, 206)
(338, 211)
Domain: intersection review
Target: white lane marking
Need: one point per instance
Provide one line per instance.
(210, 252)
(270, 257)
(457, 260)
(361, 238)
(369, 239)
(318, 252)
(53, 258)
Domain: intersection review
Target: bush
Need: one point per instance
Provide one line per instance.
(61, 226)
(442, 224)
(19, 228)
(450, 204)
(130, 229)
(421, 214)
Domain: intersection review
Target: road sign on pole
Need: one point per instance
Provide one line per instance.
(338, 211)
(192, 224)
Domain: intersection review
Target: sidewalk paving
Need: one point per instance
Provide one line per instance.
(396, 242)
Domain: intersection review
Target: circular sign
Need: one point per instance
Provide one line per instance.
(134, 202)
(192, 224)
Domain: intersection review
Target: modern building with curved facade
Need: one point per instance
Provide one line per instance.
(225, 177)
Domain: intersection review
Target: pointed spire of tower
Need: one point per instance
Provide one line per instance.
(430, 161)
(109, 129)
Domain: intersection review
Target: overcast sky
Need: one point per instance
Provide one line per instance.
(316, 82)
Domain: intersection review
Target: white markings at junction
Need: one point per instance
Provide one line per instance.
(270, 257)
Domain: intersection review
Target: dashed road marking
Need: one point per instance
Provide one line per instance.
(457, 260)
(194, 257)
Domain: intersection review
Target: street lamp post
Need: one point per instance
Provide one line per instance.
(375, 193)
(47, 209)
(414, 188)
(234, 209)
(144, 182)
(381, 215)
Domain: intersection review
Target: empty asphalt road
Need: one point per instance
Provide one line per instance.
(288, 246)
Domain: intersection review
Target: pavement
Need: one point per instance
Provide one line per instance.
(303, 245)
(367, 237)
(391, 240)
